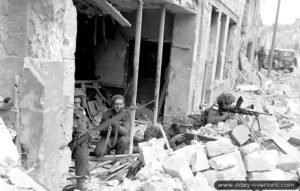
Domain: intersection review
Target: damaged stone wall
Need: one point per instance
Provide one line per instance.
(37, 42)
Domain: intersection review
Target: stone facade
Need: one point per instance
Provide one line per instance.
(37, 42)
(203, 63)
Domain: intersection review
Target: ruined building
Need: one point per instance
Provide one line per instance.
(46, 45)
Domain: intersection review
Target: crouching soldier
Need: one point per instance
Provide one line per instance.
(215, 114)
(116, 136)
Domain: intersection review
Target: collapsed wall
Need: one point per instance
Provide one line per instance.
(37, 43)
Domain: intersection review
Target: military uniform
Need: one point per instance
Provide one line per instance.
(119, 137)
(80, 154)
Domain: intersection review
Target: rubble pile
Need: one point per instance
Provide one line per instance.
(233, 154)
(13, 177)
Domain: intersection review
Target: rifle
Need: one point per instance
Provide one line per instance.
(239, 110)
(73, 144)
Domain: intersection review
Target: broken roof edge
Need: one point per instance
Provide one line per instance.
(108, 7)
(173, 6)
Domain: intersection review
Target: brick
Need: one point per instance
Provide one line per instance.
(275, 174)
(199, 161)
(148, 171)
(177, 166)
(218, 147)
(222, 162)
(249, 148)
(287, 162)
(261, 160)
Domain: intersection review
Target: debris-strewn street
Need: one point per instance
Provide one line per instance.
(149, 95)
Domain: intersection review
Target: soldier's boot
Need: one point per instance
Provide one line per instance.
(82, 184)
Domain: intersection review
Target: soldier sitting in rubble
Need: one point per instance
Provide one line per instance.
(117, 135)
(215, 114)
(80, 154)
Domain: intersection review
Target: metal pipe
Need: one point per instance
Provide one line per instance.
(159, 63)
(274, 38)
(136, 60)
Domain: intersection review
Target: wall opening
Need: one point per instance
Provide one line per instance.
(147, 71)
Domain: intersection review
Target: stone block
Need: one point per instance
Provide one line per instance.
(197, 183)
(261, 160)
(211, 176)
(9, 154)
(157, 186)
(287, 162)
(294, 135)
(189, 152)
(199, 161)
(232, 173)
(21, 179)
(286, 147)
(177, 166)
(291, 175)
(240, 163)
(204, 182)
(275, 174)
(240, 134)
(223, 161)
(147, 171)
(152, 150)
(249, 148)
(218, 147)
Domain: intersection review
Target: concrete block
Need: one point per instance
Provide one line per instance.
(275, 174)
(240, 134)
(287, 162)
(157, 186)
(199, 161)
(223, 161)
(9, 154)
(261, 160)
(152, 150)
(249, 148)
(177, 166)
(218, 147)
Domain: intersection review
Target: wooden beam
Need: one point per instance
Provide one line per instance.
(159, 63)
(136, 60)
